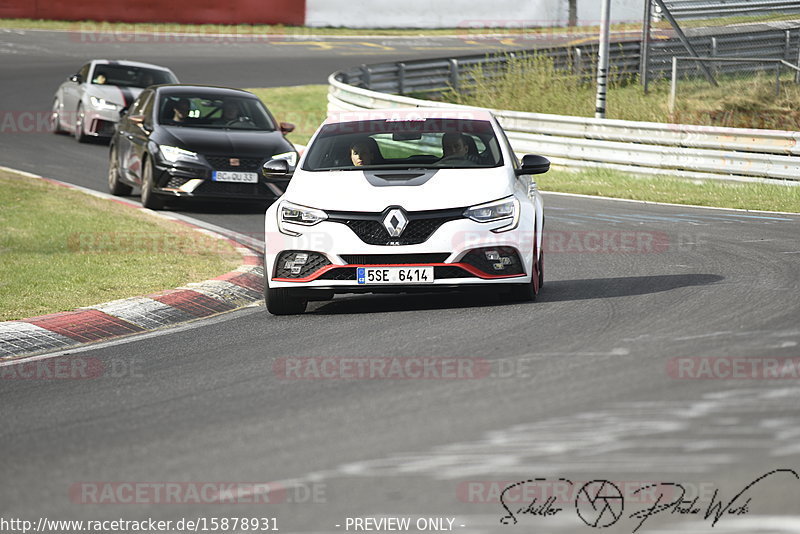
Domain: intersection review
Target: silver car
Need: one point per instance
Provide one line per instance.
(89, 102)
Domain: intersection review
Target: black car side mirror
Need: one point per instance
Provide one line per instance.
(76, 78)
(286, 127)
(275, 167)
(533, 164)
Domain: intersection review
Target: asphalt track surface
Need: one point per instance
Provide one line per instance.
(593, 381)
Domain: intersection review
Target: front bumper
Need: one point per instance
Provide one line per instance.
(456, 251)
(195, 180)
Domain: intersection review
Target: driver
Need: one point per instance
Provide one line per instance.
(454, 145)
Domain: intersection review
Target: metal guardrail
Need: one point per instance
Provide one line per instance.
(695, 9)
(641, 147)
(417, 77)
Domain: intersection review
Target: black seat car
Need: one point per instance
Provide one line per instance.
(199, 142)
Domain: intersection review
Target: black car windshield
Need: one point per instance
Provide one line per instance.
(123, 76)
(228, 112)
(397, 144)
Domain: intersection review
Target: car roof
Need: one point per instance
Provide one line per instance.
(410, 114)
(126, 63)
(202, 90)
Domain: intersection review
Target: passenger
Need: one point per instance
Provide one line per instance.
(364, 152)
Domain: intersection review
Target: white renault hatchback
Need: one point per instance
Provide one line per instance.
(404, 200)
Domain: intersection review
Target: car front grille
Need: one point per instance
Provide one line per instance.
(370, 229)
(223, 163)
(394, 259)
(231, 188)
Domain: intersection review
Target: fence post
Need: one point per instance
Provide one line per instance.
(673, 86)
(644, 64)
(366, 77)
(787, 45)
(454, 81)
(401, 78)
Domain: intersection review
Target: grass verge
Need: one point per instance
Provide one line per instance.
(534, 84)
(610, 183)
(304, 105)
(63, 249)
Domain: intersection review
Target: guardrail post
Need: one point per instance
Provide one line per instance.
(797, 73)
(577, 61)
(454, 77)
(366, 76)
(401, 78)
(778, 80)
(673, 86)
(787, 45)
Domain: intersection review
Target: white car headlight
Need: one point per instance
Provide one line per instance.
(295, 214)
(290, 157)
(173, 153)
(499, 210)
(103, 104)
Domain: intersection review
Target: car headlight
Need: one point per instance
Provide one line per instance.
(499, 210)
(102, 104)
(295, 214)
(173, 153)
(290, 157)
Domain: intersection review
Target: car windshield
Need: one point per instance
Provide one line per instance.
(123, 76)
(391, 143)
(229, 112)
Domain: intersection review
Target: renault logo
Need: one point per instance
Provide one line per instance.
(395, 222)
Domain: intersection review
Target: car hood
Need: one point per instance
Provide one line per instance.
(356, 191)
(225, 142)
(123, 96)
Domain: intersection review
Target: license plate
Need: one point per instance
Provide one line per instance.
(229, 176)
(395, 275)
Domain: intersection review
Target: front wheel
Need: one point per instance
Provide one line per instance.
(527, 292)
(55, 119)
(280, 301)
(80, 135)
(116, 187)
(150, 199)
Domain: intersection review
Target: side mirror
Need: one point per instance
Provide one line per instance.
(286, 127)
(275, 168)
(533, 164)
(76, 78)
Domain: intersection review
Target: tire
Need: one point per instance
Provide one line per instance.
(528, 292)
(55, 119)
(80, 136)
(281, 302)
(115, 186)
(150, 199)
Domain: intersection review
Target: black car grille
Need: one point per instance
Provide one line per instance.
(339, 273)
(441, 272)
(315, 262)
(223, 163)
(394, 259)
(231, 188)
(421, 225)
(477, 258)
